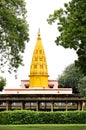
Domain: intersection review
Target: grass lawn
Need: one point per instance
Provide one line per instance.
(44, 127)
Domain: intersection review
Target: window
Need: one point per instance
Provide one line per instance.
(41, 66)
(35, 66)
(36, 58)
(40, 51)
(40, 58)
(36, 51)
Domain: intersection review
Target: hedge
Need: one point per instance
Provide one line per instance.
(33, 117)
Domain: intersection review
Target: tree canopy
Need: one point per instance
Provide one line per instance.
(82, 86)
(74, 78)
(71, 23)
(13, 33)
(2, 83)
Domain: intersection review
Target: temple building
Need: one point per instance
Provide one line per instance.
(38, 81)
(38, 92)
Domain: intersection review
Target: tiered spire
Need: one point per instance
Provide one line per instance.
(38, 69)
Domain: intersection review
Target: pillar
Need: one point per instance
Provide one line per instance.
(66, 106)
(79, 105)
(52, 106)
(22, 105)
(7, 105)
(82, 105)
(45, 105)
(37, 106)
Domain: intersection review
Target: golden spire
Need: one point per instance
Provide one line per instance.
(38, 69)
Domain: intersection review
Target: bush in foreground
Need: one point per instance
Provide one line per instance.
(33, 117)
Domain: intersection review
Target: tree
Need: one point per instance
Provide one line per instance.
(13, 33)
(71, 23)
(82, 86)
(70, 78)
(2, 83)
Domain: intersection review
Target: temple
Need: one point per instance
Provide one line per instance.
(38, 92)
(38, 82)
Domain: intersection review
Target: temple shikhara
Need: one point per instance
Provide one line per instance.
(38, 69)
(38, 81)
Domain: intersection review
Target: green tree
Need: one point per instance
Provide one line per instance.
(71, 23)
(82, 86)
(70, 78)
(2, 83)
(13, 33)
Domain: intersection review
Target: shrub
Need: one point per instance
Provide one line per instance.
(33, 117)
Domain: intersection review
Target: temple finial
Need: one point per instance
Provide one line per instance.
(39, 30)
(39, 33)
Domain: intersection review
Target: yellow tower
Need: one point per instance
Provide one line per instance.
(38, 68)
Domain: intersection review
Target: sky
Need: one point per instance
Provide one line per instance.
(57, 57)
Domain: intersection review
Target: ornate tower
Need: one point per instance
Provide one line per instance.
(38, 68)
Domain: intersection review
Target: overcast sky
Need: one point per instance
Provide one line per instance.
(57, 57)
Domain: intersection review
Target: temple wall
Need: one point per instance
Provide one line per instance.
(54, 82)
(38, 91)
